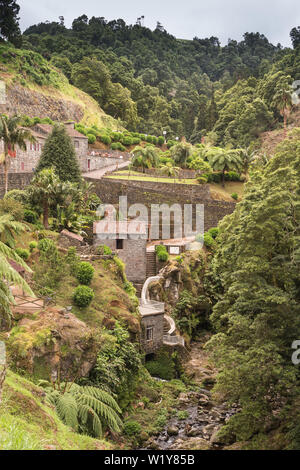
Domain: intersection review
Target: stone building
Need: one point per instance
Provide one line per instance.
(152, 323)
(26, 161)
(128, 240)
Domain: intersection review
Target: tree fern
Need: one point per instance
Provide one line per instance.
(8, 275)
(87, 409)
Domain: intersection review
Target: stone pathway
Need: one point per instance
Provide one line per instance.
(98, 174)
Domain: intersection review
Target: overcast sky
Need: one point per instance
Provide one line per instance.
(184, 19)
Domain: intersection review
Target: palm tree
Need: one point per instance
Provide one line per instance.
(170, 170)
(84, 408)
(248, 157)
(44, 189)
(145, 157)
(224, 160)
(180, 153)
(282, 100)
(8, 228)
(12, 135)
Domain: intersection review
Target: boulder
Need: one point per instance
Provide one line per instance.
(52, 344)
(172, 430)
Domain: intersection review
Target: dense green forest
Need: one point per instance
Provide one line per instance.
(154, 82)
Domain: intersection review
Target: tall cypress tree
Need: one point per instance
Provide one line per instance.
(59, 153)
(9, 22)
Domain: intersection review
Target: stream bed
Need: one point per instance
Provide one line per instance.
(198, 417)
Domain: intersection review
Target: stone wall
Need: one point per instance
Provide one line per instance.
(21, 100)
(182, 174)
(15, 181)
(148, 193)
(157, 323)
(133, 255)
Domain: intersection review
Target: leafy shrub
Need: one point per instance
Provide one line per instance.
(160, 140)
(213, 232)
(17, 195)
(104, 250)
(32, 246)
(132, 428)
(92, 138)
(170, 143)
(208, 240)
(24, 254)
(162, 253)
(202, 180)
(235, 196)
(115, 146)
(105, 139)
(30, 216)
(154, 140)
(12, 207)
(182, 414)
(232, 176)
(83, 296)
(45, 244)
(127, 141)
(85, 273)
(149, 139)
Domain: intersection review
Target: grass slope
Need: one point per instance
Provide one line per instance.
(30, 70)
(28, 423)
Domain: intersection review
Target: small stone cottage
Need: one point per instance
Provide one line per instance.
(128, 240)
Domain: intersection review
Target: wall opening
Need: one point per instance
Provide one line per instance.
(119, 244)
(149, 333)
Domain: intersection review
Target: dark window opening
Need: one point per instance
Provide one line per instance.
(120, 244)
(149, 333)
(149, 357)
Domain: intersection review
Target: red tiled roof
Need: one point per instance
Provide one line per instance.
(75, 236)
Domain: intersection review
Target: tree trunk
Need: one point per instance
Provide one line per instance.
(46, 215)
(223, 178)
(6, 173)
(2, 379)
(284, 123)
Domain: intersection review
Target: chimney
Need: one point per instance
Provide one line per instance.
(70, 124)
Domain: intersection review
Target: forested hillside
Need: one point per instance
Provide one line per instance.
(154, 82)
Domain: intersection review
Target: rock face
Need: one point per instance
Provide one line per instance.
(21, 100)
(53, 343)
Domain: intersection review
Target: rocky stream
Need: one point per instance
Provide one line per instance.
(199, 417)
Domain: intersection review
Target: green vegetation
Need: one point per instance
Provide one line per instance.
(83, 295)
(85, 273)
(85, 409)
(59, 153)
(161, 253)
(12, 136)
(256, 315)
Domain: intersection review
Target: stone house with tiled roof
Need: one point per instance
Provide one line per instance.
(26, 161)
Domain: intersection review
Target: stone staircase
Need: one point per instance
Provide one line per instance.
(151, 264)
